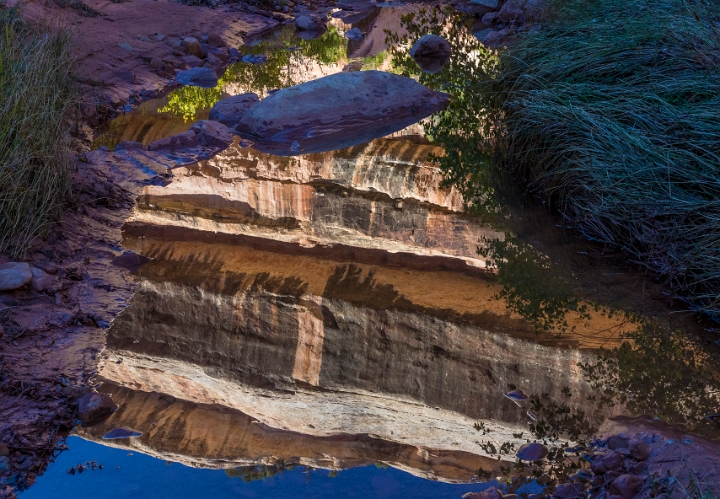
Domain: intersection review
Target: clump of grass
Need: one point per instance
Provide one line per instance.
(612, 111)
(35, 96)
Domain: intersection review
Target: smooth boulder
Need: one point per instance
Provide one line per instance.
(197, 77)
(337, 111)
(229, 111)
(14, 275)
(94, 408)
(431, 53)
(40, 280)
(212, 134)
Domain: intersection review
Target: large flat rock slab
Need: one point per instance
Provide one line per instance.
(337, 111)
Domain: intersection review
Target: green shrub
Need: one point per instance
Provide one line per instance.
(612, 112)
(35, 97)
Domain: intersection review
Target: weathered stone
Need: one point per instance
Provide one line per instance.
(308, 22)
(229, 111)
(532, 452)
(14, 275)
(491, 493)
(489, 18)
(607, 462)
(490, 4)
(212, 60)
(192, 45)
(354, 34)
(176, 142)
(213, 134)
(569, 491)
(431, 53)
(512, 12)
(534, 9)
(639, 450)
(198, 77)
(340, 110)
(190, 61)
(40, 280)
(216, 40)
(626, 486)
(4, 451)
(94, 408)
(617, 442)
(156, 63)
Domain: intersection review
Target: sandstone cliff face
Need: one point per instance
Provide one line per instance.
(328, 296)
(384, 195)
(213, 436)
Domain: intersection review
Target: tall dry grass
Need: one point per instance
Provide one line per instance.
(612, 111)
(36, 90)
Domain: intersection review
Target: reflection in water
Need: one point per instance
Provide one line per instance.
(331, 310)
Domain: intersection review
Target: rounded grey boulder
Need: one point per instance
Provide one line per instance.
(431, 53)
(337, 111)
(14, 275)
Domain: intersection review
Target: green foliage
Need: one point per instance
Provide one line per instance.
(259, 472)
(283, 68)
(36, 94)
(531, 286)
(658, 372)
(188, 101)
(466, 128)
(612, 112)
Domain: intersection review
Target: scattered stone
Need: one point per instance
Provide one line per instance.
(639, 450)
(490, 4)
(159, 37)
(608, 462)
(626, 486)
(491, 493)
(229, 111)
(213, 134)
(354, 34)
(431, 53)
(40, 280)
(4, 450)
(308, 22)
(123, 432)
(222, 53)
(192, 45)
(512, 12)
(198, 77)
(212, 60)
(4, 463)
(337, 111)
(617, 442)
(569, 491)
(94, 408)
(126, 46)
(489, 18)
(14, 275)
(175, 142)
(191, 61)
(156, 63)
(532, 452)
(216, 40)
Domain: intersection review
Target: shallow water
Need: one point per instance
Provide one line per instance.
(326, 312)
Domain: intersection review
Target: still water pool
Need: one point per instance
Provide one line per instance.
(323, 325)
(132, 474)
